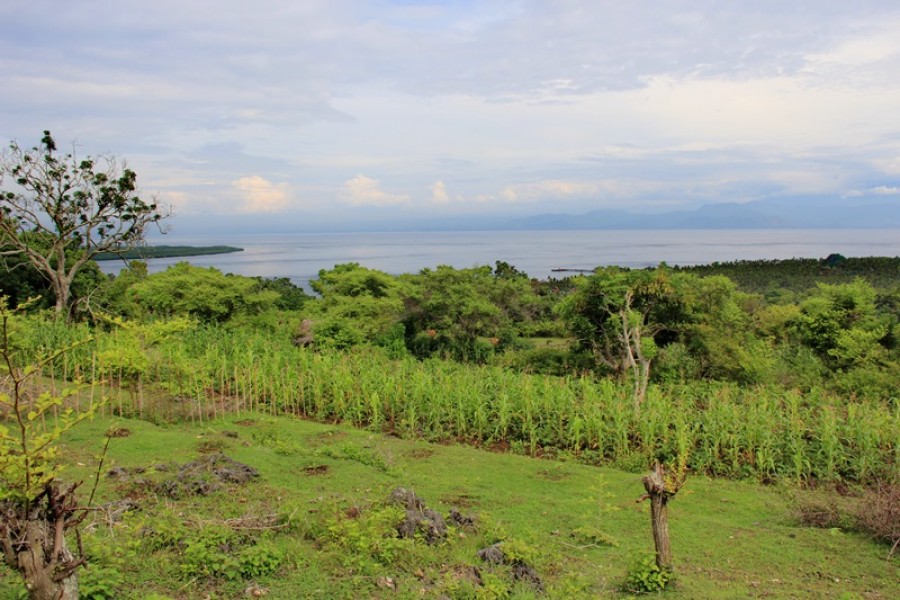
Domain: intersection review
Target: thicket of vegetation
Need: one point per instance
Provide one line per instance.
(621, 367)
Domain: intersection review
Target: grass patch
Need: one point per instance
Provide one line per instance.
(317, 523)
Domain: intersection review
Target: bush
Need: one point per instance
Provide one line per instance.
(879, 514)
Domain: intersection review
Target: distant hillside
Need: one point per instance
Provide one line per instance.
(146, 252)
(799, 275)
(796, 213)
(804, 212)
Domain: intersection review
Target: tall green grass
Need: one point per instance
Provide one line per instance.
(760, 432)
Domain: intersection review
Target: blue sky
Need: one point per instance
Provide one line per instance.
(312, 111)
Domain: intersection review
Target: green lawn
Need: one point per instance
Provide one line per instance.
(315, 523)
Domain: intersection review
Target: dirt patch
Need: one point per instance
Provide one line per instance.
(245, 422)
(553, 474)
(200, 477)
(462, 500)
(316, 469)
(420, 453)
(118, 432)
(465, 573)
(210, 446)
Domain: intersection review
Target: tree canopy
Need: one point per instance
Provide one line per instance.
(58, 211)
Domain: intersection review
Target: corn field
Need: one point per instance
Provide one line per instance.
(726, 430)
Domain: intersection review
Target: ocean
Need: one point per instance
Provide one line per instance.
(299, 257)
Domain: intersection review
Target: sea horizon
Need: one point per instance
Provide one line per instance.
(300, 256)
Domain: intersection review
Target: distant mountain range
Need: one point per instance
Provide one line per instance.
(784, 213)
(799, 213)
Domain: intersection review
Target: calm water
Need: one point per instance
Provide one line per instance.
(301, 256)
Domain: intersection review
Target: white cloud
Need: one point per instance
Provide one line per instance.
(871, 48)
(439, 193)
(881, 190)
(530, 192)
(886, 190)
(364, 191)
(260, 195)
(890, 166)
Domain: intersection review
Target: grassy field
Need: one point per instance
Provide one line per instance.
(316, 522)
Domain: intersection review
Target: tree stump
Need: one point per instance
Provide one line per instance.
(655, 484)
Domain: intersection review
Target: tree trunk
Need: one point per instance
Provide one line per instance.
(62, 290)
(655, 484)
(39, 570)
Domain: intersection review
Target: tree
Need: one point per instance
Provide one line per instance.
(36, 509)
(617, 314)
(843, 325)
(357, 305)
(58, 211)
(204, 293)
(448, 310)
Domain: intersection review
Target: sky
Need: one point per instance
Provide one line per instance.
(312, 112)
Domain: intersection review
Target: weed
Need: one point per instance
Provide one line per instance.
(259, 560)
(206, 554)
(367, 539)
(646, 577)
(594, 537)
(100, 582)
(361, 455)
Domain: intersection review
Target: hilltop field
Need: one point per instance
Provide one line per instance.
(317, 522)
(462, 433)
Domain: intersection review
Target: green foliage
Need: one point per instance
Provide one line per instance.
(840, 323)
(59, 211)
(217, 552)
(207, 554)
(22, 280)
(595, 536)
(368, 539)
(112, 297)
(544, 503)
(363, 456)
(290, 296)
(448, 310)
(646, 577)
(259, 560)
(204, 293)
(784, 279)
(358, 305)
(126, 356)
(29, 446)
(100, 582)
(758, 432)
(843, 326)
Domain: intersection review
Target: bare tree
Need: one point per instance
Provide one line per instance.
(59, 211)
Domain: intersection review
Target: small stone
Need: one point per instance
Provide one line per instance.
(255, 591)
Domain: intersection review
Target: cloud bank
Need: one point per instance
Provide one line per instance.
(503, 106)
